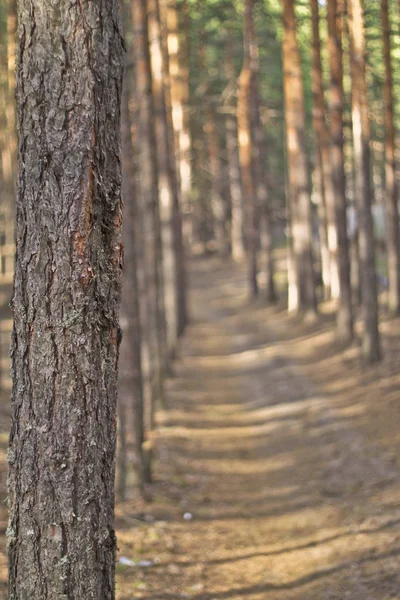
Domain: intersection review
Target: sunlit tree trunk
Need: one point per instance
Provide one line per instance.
(66, 302)
(361, 138)
(168, 186)
(244, 111)
(177, 216)
(344, 311)
(298, 183)
(179, 76)
(321, 154)
(392, 212)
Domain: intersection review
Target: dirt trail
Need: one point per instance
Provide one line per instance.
(286, 491)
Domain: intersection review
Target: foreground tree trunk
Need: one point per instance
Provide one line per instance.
(392, 212)
(298, 185)
(246, 147)
(370, 348)
(344, 312)
(65, 304)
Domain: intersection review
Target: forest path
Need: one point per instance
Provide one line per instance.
(268, 487)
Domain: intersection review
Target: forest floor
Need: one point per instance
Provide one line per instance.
(278, 469)
(277, 473)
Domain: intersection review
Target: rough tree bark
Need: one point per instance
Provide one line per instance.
(392, 212)
(66, 301)
(344, 312)
(298, 183)
(370, 348)
(246, 149)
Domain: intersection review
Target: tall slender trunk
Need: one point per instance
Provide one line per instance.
(392, 212)
(131, 399)
(321, 151)
(66, 302)
(168, 187)
(260, 178)
(246, 149)
(298, 183)
(361, 139)
(177, 216)
(217, 200)
(185, 141)
(344, 312)
(148, 192)
(231, 134)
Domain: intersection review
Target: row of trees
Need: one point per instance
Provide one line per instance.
(333, 167)
(71, 249)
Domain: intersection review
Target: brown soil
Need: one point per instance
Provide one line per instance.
(281, 448)
(285, 452)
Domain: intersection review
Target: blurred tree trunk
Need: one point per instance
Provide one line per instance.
(361, 138)
(185, 141)
(244, 112)
(177, 217)
(61, 540)
(392, 212)
(214, 168)
(322, 175)
(148, 194)
(344, 312)
(260, 178)
(179, 77)
(168, 186)
(231, 133)
(130, 399)
(298, 183)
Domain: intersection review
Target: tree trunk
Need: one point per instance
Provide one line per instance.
(298, 183)
(246, 148)
(260, 178)
(214, 168)
(321, 151)
(361, 138)
(235, 183)
(65, 304)
(177, 218)
(168, 185)
(344, 312)
(148, 193)
(185, 141)
(131, 425)
(392, 213)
